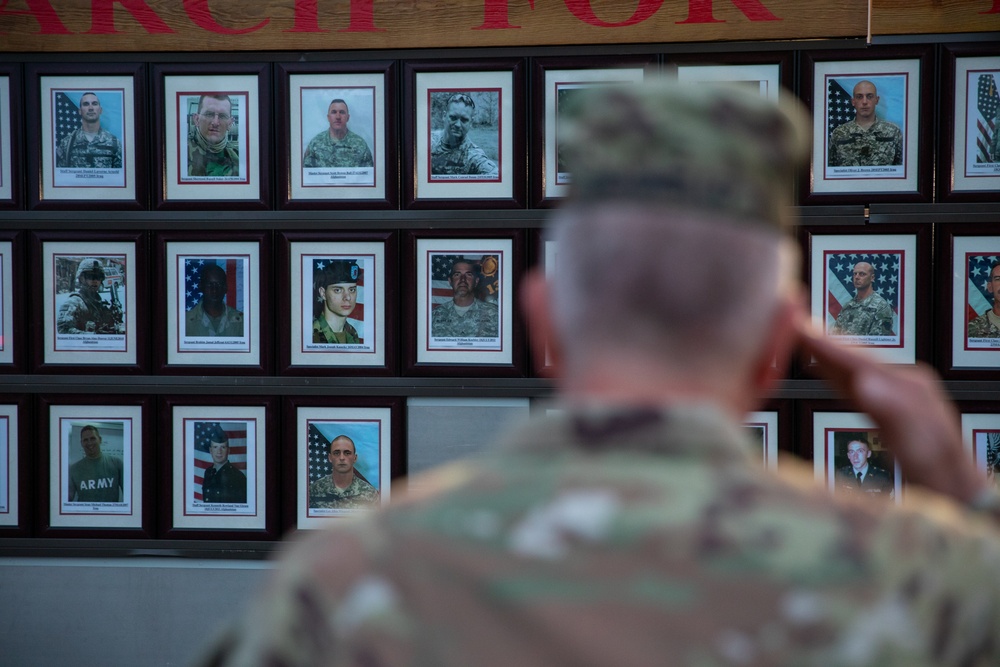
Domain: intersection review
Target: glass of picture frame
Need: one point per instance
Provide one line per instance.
(555, 81)
(461, 301)
(96, 466)
(76, 102)
(213, 135)
(11, 104)
(12, 320)
(346, 454)
(337, 125)
(217, 305)
(346, 325)
(222, 456)
(91, 302)
(885, 157)
(15, 465)
(464, 145)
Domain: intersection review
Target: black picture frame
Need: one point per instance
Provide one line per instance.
(18, 457)
(422, 80)
(418, 247)
(381, 76)
(382, 300)
(175, 85)
(44, 355)
(46, 100)
(76, 409)
(297, 411)
(255, 357)
(13, 344)
(11, 138)
(257, 454)
(892, 67)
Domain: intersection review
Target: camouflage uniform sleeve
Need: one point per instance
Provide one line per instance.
(897, 143)
(116, 160)
(309, 157)
(70, 315)
(995, 145)
(62, 150)
(834, 158)
(478, 163)
(883, 319)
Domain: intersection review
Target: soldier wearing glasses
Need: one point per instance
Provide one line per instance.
(210, 152)
(452, 152)
(344, 488)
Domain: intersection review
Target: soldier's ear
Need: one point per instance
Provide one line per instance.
(546, 347)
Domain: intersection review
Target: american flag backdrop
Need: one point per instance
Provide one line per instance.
(366, 437)
(489, 278)
(67, 116)
(838, 106)
(237, 432)
(357, 318)
(978, 273)
(987, 103)
(840, 280)
(235, 298)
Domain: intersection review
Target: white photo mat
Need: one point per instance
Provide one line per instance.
(765, 423)
(9, 480)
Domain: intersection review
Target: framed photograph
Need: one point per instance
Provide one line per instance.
(968, 332)
(215, 303)
(214, 133)
(981, 433)
(14, 466)
(338, 125)
(555, 82)
(91, 301)
(90, 131)
(767, 430)
(545, 255)
(96, 464)
(970, 159)
(223, 460)
(464, 145)
(12, 341)
(464, 306)
(864, 289)
(335, 305)
(871, 119)
(343, 456)
(850, 458)
(10, 128)
(767, 73)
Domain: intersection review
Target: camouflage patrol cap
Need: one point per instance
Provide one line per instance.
(341, 271)
(698, 146)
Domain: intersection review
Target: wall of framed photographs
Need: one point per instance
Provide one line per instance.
(183, 188)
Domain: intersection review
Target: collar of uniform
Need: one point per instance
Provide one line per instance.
(698, 430)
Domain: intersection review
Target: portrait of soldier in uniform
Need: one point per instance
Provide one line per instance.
(469, 310)
(465, 135)
(861, 474)
(94, 306)
(336, 282)
(987, 323)
(96, 477)
(336, 482)
(866, 140)
(337, 146)
(211, 304)
(868, 313)
(222, 481)
(211, 150)
(88, 145)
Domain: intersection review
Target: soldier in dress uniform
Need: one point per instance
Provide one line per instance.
(451, 151)
(868, 313)
(89, 146)
(861, 475)
(345, 487)
(338, 146)
(465, 316)
(85, 311)
(222, 482)
(866, 141)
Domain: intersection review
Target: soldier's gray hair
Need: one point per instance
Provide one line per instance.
(681, 288)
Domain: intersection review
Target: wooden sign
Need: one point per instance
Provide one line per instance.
(326, 25)
(905, 17)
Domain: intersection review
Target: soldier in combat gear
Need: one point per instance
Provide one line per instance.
(867, 314)
(338, 146)
(465, 316)
(866, 141)
(452, 152)
(90, 146)
(987, 325)
(85, 311)
(210, 152)
(344, 488)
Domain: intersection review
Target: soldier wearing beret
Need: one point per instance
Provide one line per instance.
(866, 141)
(633, 527)
(338, 146)
(337, 287)
(222, 482)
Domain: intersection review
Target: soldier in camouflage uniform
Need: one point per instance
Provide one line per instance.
(451, 151)
(344, 488)
(987, 325)
(633, 527)
(85, 311)
(866, 141)
(867, 314)
(337, 285)
(338, 146)
(90, 146)
(465, 316)
(210, 152)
